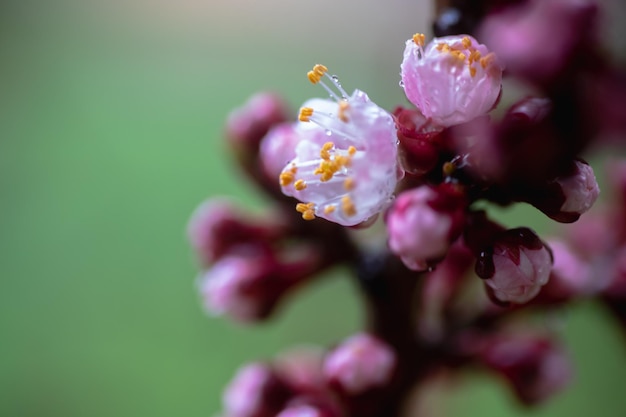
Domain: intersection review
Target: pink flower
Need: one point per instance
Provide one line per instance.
(422, 224)
(453, 80)
(345, 167)
(516, 266)
(580, 189)
(359, 364)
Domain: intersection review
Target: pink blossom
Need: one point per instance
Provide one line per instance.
(420, 228)
(580, 189)
(519, 265)
(360, 363)
(453, 80)
(345, 167)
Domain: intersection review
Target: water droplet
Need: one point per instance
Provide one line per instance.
(401, 83)
(430, 269)
(335, 78)
(328, 132)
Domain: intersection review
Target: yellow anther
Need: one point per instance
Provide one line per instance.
(317, 73)
(458, 55)
(466, 42)
(474, 56)
(349, 184)
(472, 71)
(487, 60)
(325, 151)
(351, 150)
(443, 47)
(343, 108)
(299, 185)
(419, 39)
(307, 210)
(448, 169)
(286, 178)
(347, 206)
(329, 209)
(305, 114)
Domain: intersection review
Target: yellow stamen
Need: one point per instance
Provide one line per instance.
(448, 169)
(299, 185)
(458, 55)
(343, 108)
(472, 71)
(305, 114)
(347, 206)
(443, 47)
(307, 210)
(286, 178)
(419, 39)
(487, 60)
(474, 56)
(349, 184)
(466, 42)
(325, 152)
(351, 150)
(329, 209)
(317, 73)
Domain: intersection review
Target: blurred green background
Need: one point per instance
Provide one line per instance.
(110, 122)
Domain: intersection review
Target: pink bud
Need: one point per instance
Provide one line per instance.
(422, 224)
(247, 124)
(571, 276)
(218, 224)
(359, 364)
(453, 80)
(536, 367)
(580, 189)
(255, 391)
(516, 266)
(305, 410)
(239, 286)
(278, 147)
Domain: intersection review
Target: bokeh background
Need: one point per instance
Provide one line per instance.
(110, 135)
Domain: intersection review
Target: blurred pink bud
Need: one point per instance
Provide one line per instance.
(580, 189)
(359, 364)
(248, 124)
(218, 224)
(239, 287)
(423, 222)
(516, 266)
(278, 147)
(255, 391)
(536, 366)
(538, 39)
(301, 368)
(571, 276)
(345, 167)
(453, 80)
(306, 410)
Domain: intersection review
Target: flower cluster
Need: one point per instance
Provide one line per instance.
(430, 171)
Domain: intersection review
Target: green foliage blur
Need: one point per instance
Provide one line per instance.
(110, 135)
